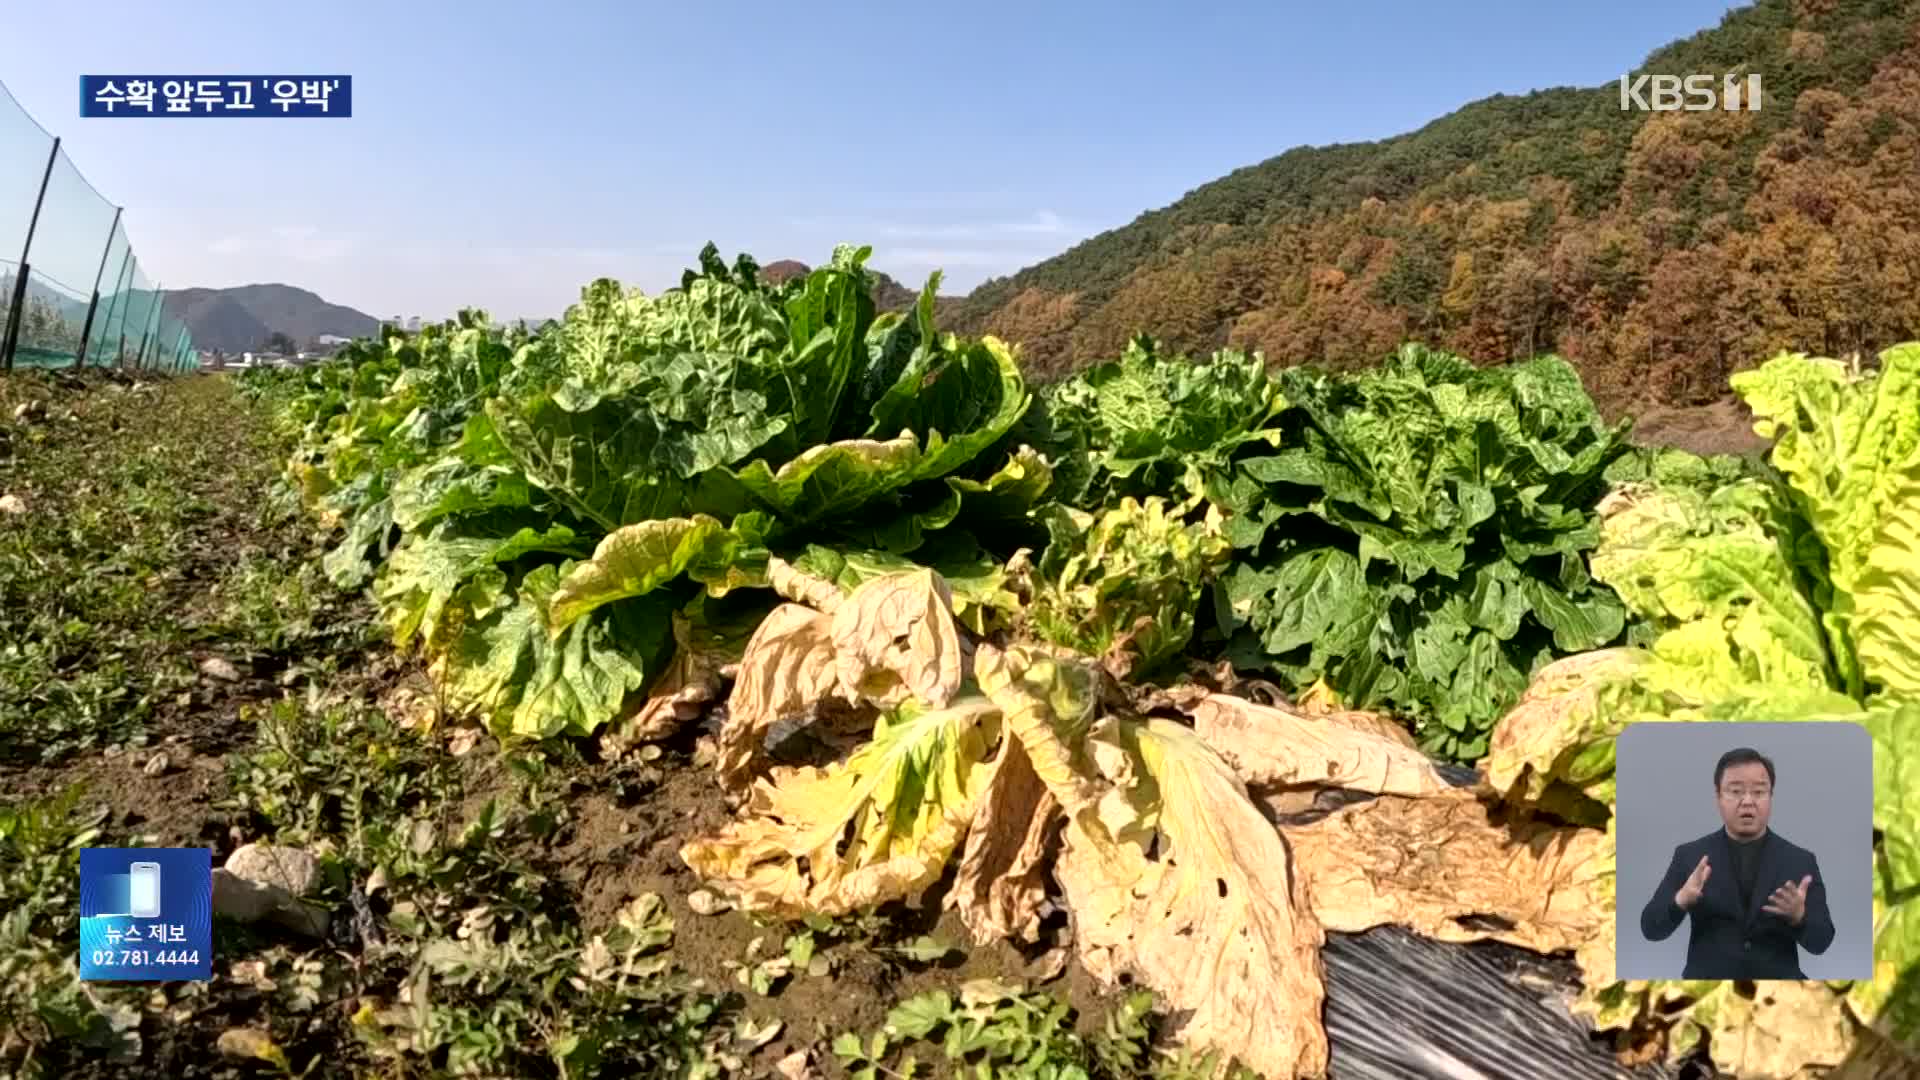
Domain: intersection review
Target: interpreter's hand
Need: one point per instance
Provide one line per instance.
(1696, 883)
(1790, 900)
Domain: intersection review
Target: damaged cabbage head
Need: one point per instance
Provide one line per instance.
(1027, 766)
(979, 752)
(1124, 584)
(1795, 597)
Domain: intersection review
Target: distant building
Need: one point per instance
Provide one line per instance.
(331, 339)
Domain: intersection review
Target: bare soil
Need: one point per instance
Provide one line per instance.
(1724, 427)
(625, 822)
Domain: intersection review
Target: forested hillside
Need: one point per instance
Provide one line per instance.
(1658, 251)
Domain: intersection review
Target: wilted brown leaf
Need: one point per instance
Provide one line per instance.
(1379, 725)
(1215, 921)
(1268, 745)
(1775, 1034)
(1622, 497)
(797, 1066)
(692, 680)
(1047, 703)
(1876, 1055)
(787, 667)
(1049, 965)
(1559, 714)
(895, 637)
(794, 584)
(878, 826)
(1426, 863)
(1002, 877)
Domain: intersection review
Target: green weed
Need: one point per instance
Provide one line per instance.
(996, 1030)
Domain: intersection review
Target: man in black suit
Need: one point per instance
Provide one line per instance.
(1753, 898)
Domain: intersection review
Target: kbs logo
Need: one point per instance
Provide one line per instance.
(1693, 93)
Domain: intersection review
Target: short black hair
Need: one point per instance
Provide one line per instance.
(1745, 755)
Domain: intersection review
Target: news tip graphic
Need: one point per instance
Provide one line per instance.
(146, 914)
(120, 96)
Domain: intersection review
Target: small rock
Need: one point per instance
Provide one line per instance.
(12, 504)
(1048, 965)
(243, 900)
(123, 1044)
(248, 902)
(249, 1044)
(704, 902)
(30, 412)
(287, 868)
(252, 973)
(215, 668)
(462, 741)
(155, 765)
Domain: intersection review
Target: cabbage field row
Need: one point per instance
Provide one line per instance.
(1070, 630)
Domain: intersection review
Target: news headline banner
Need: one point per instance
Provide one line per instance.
(119, 96)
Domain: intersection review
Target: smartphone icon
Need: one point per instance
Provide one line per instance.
(143, 890)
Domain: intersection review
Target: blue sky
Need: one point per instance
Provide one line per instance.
(502, 155)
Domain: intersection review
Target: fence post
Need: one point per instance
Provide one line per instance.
(117, 304)
(159, 322)
(146, 336)
(86, 329)
(20, 282)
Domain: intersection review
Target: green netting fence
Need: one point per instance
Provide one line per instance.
(72, 290)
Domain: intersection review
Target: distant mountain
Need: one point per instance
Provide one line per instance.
(783, 270)
(1656, 250)
(888, 294)
(241, 318)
